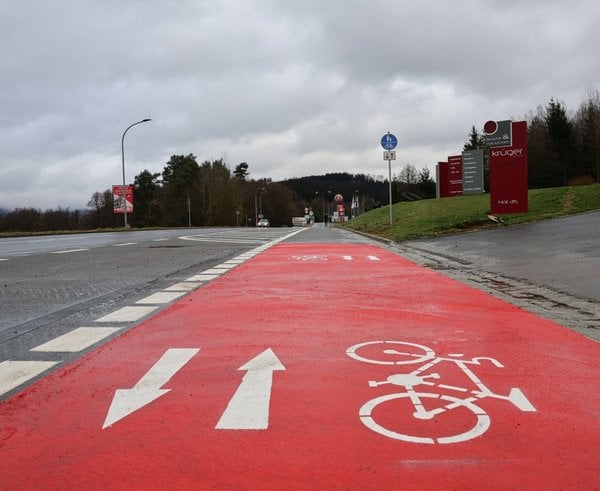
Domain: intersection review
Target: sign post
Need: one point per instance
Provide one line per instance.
(389, 142)
(508, 166)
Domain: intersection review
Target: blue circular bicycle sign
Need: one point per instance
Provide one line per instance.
(389, 141)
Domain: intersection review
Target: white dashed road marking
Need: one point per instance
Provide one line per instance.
(161, 298)
(127, 314)
(77, 340)
(203, 277)
(15, 373)
(69, 250)
(185, 286)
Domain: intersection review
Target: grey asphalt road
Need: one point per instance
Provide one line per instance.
(561, 254)
(53, 284)
(551, 268)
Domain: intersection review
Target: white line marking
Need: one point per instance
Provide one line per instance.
(213, 271)
(347, 258)
(185, 286)
(203, 277)
(15, 373)
(148, 388)
(161, 298)
(124, 244)
(373, 258)
(235, 262)
(77, 340)
(1, 259)
(69, 250)
(127, 314)
(225, 266)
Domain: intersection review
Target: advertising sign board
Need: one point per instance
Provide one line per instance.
(117, 191)
(455, 175)
(472, 161)
(508, 173)
(498, 133)
(442, 179)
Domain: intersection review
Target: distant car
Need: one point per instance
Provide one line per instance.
(263, 222)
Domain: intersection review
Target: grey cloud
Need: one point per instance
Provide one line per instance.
(291, 87)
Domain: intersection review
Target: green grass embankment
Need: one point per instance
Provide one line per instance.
(434, 217)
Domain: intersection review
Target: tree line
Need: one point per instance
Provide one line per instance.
(562, 150)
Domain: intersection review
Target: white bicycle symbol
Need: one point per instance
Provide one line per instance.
(404, 353)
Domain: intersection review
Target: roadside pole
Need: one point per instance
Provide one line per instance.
(389, 142)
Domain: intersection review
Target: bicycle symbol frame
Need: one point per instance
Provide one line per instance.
(405, 353)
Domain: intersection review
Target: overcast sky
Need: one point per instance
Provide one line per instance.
(293, 87)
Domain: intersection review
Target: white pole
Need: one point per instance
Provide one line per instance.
(390, 185)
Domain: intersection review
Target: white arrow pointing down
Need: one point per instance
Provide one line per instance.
(248, 409)
(148, 389)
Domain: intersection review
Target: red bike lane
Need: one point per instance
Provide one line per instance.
(317, 366)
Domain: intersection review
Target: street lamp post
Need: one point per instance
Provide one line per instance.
(124, 190)
(323, 204)
(260, 213)
(256, 206)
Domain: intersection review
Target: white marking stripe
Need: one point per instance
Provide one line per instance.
(77, 340)
(213, 271)
(15, 373)
(185, 286)
(3, 259)
(127, 314)
(225, 266)
(203, 277)
(124, 244)
(373, 258)
(69, 250)
(226, 240)
(161, 298)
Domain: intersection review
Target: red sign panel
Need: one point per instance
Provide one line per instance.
(442, 180)
(455, 177)
(118, 198)
(450, 177)
(508, 173)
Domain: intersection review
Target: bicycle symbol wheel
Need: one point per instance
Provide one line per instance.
(397, 353)
(482, 420)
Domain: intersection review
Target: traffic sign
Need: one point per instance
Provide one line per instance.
(389, 155)
(389, 141)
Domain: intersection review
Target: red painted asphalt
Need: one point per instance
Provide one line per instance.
(467, 391)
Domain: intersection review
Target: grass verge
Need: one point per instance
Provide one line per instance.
(434, 217)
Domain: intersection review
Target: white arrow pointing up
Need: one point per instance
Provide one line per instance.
(148, 389)
(248, 409)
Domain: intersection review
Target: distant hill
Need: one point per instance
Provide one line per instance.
(328, 185)
(373, 191)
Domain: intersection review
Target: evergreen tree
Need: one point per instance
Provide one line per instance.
(180, 178)
(587, 128)
(241, 171)
(561, 141)
(146, 210)
(475, 140)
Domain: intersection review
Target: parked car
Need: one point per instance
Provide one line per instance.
(263, 222)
